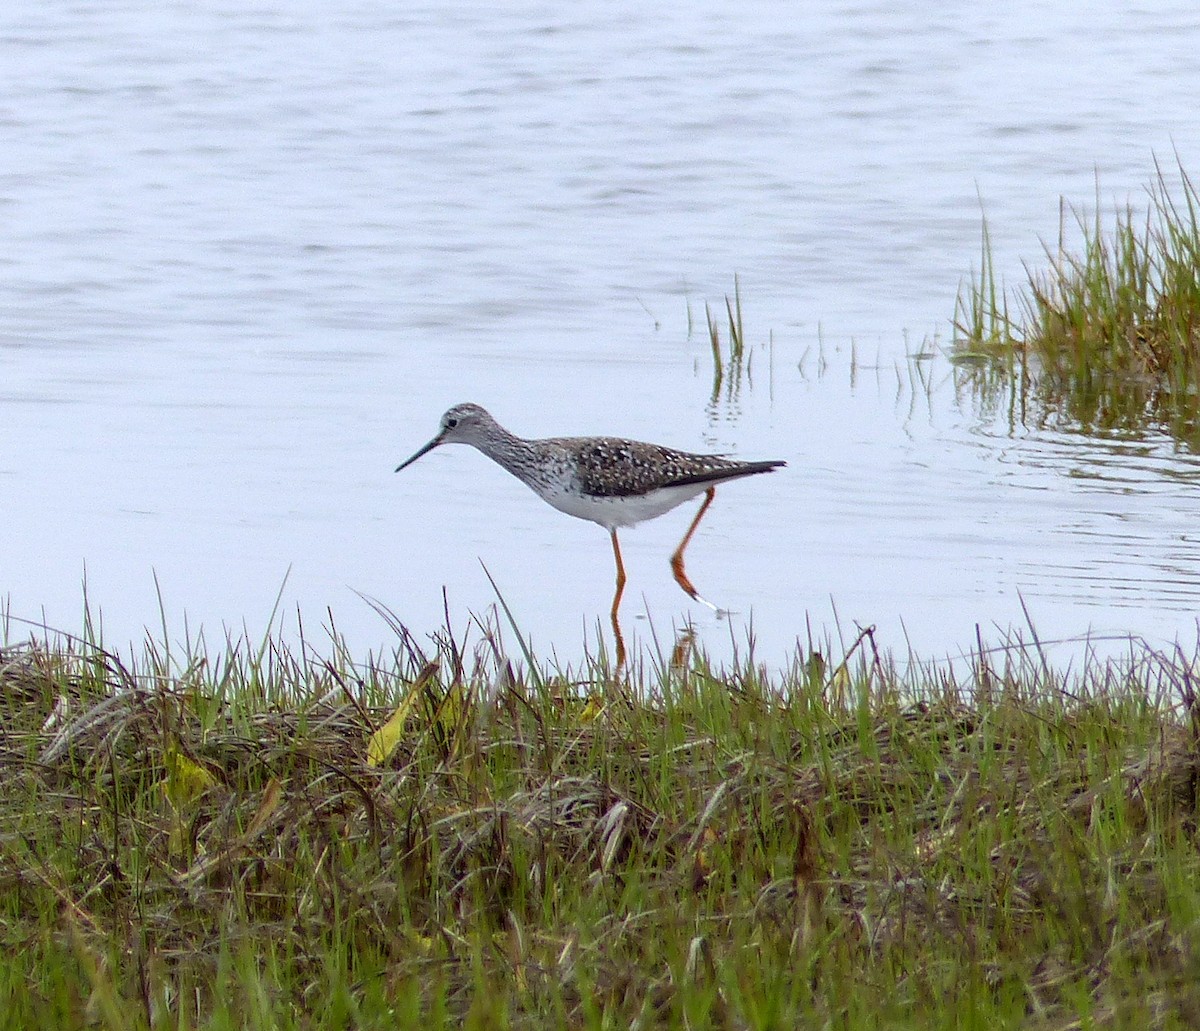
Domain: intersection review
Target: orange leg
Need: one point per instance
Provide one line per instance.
(616, 623)
(681, 576)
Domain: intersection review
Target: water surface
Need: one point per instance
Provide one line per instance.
(250, 253)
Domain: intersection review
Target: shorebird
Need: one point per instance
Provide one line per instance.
(608, 480)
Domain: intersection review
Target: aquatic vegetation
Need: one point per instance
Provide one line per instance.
(733, 367)
(1108, 335)
(731, 363)
(448, 835)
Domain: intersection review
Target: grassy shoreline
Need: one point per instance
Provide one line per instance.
(209, 840)
(1107, 334)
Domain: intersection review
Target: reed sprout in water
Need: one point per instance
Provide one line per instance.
(728, 369)
(448, 837)
(1109, 333)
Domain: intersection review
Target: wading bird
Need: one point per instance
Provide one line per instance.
(608, 480)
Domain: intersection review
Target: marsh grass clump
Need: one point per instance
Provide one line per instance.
(1108, 335)
(847, 844)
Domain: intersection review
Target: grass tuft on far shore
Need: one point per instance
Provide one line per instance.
(1107, 335)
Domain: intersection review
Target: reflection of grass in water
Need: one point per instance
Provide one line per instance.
(737, 342)
(1108, 336)
(730, 365)
(231, 839)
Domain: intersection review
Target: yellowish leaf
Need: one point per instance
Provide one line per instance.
(591, 712)
(186, 779)
(384, 741)
(423, 943)
(450, 711)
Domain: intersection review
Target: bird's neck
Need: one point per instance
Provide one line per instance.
(516, 454)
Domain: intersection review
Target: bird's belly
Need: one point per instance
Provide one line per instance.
(626, 510)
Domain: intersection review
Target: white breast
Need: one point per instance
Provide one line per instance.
(615, 512)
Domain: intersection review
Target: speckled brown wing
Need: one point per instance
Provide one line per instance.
(613, 467)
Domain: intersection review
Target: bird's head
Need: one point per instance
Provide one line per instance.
(462, 424)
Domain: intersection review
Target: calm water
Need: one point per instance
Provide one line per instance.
(249, 253)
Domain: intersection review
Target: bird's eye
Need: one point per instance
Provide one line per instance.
(451, 423)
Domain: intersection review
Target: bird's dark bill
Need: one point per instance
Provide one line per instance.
(427, 448)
